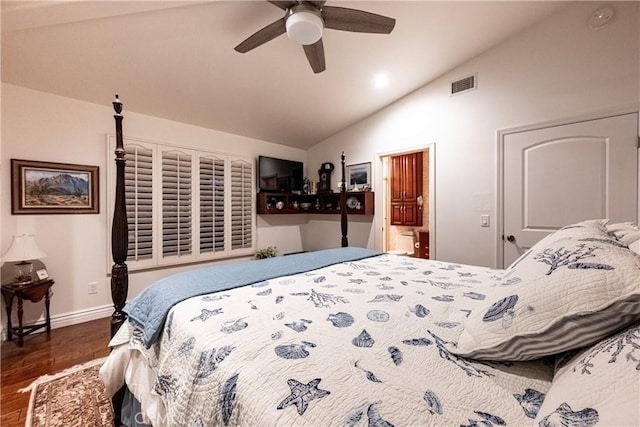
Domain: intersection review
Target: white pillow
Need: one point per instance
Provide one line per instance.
(635, 247)
(599, 386)
(625, 232)
(572, 288)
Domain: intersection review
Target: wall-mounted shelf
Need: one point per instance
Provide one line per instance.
(358, 203)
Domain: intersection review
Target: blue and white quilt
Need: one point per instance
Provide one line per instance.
(359, 343)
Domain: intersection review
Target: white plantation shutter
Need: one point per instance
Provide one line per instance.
(211, 194)
(241, 204)
(139, 201)
(176, 204)
(184, 205)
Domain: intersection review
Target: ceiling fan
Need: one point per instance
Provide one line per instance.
(304, 22)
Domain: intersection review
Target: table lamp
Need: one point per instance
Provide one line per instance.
(22, 251)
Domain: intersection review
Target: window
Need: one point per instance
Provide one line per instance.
(184, 205)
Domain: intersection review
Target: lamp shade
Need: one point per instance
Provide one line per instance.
(23, 248)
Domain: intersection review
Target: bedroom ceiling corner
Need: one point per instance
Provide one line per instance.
(176, 59)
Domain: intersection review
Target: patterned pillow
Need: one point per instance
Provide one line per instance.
(571, 289)
(599, 386)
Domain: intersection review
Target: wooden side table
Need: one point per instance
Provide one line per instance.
(33, 292)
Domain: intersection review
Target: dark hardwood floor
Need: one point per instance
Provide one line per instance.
(45, 354)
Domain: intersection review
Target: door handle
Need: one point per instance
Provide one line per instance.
(511, 238)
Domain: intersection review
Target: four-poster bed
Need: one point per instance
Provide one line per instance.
(351, 336)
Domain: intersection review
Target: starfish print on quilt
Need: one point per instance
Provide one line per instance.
(302, 394)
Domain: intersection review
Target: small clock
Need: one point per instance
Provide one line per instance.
(324, 173)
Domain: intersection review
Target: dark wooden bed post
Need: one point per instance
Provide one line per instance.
(119, 231)
(343, 207)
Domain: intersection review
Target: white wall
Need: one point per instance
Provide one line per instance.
(46, 127)
(557, 69)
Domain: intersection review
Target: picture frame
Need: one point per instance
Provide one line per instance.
(42, 274)
(358, 176)
(53, 188)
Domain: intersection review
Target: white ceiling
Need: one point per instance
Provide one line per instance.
(175, 59)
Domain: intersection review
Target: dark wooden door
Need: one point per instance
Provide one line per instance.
(406, 189)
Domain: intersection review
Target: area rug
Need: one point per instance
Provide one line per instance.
(73, 397)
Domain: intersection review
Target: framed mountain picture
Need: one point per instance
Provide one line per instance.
(53, 188)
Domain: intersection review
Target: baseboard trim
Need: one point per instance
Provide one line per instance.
(81, 316)
(68, 319)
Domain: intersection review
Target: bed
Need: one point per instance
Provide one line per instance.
(354, 337)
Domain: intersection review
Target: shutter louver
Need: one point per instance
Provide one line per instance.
(211, 205)
(139, 202)
(176, 204)
(241, 205)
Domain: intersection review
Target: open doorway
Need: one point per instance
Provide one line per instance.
(412, 223)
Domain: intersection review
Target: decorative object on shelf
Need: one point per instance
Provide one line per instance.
(53, 188)
(267, 252)
(22, 251)
(321, 203)
(359, 176)
(325, 176)
(306, 187)
(352, 203)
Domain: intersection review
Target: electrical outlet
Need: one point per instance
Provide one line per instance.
(93, 288)
(484, 221)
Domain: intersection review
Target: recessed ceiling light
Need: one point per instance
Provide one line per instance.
(601, 17)
(380, 80)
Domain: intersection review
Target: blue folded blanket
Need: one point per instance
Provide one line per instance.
(148, 311)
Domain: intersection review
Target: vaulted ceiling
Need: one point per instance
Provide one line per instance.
(175, 59)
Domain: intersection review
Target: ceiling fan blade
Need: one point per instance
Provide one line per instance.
(262, 36)
(341, 18)
(315, 55)
(317, 4)
(284, 5)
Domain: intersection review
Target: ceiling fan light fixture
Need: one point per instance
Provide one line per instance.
(304, 27)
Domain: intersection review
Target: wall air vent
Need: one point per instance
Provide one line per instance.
(463, 85)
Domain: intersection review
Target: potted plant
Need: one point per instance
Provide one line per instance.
(267, 252)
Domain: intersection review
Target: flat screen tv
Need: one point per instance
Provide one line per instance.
(279, 175)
